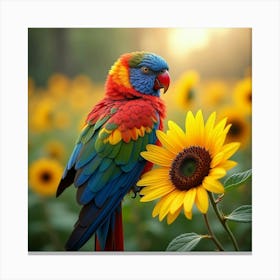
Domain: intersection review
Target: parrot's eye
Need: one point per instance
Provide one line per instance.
(145, 69)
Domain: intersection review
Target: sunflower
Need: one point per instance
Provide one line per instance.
(240, 129)
(41, 114)
(214, 93)
(44, 176)
(185, 88)
(58, 85)
(190, 165)
(242, 95)
(55, 149)
(80, 93)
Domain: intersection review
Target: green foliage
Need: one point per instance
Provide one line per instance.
(241, 214)
(185, 242)
(237, 179)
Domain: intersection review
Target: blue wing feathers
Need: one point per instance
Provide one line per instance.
(92, 217)
(74, 156)
(103, 174)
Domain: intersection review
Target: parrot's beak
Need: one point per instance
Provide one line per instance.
(162, 81)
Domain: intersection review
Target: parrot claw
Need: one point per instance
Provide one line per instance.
(136, 190)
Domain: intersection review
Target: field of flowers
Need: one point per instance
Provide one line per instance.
(56, 115)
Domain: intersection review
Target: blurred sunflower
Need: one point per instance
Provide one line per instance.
(61, 119)
(44, 176)
(240, 129)
(58, 85)
(242, 95)
(185, 89)
(81, 87)
(190, 164)
(214, 93)
(55, 149)
(41, 114)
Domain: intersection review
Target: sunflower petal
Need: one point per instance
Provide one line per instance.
(167, 142)
(171, 217)
(189, 199)
(154, 177)
(199, 128)
(228, 164)
(157, 208)
(150, 195)
(158, 159)
(230, 149)
(202, 200)
(210, 123)
(217, 172)
(178, 133)
(165, 208)
(188, 215)
(213, 185)
(177, 202)
(217, 159)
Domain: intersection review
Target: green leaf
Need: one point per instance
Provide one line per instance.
(237, 179)
(241, 214)
(184, 242)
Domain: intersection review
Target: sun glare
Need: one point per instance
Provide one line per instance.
(182, 41)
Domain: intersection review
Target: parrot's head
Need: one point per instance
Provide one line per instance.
(138, 73)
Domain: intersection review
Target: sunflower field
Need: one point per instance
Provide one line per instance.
(59, 100)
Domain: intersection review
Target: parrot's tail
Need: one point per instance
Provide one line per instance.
(114, 240)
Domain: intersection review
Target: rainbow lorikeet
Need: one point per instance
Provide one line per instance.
(106, 162)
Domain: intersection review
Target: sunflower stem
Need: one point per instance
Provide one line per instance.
(223, 221)
(211, 234)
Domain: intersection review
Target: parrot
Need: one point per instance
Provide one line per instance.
(106, 163)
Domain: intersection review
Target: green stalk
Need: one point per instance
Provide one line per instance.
(223, 221)
(211, 234)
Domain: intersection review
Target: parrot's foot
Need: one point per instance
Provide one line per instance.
(136, 190)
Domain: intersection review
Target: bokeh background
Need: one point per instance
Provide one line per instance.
(210, 70)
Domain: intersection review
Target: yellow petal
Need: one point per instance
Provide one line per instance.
(157, 207)
(155, 193)
(178, 133)
(160, 151)
(165, 208)
(190, 129)
(228, 164)
(188, 215)
(199, 128)
(172, 217)
(210, 123)
(167, 142)
(217, 173)
(230, 149)
(189, 199)
(220, 139)
(154, 177)
(213, 185)
(177, 202)
(214, 135)
(217, 159)
(159, 159)
(202, 200)
(189, 123)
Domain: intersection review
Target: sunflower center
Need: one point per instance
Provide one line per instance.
(45, 177)
(190, 94)
(190, 167)
(236, 128)
(249, 97)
